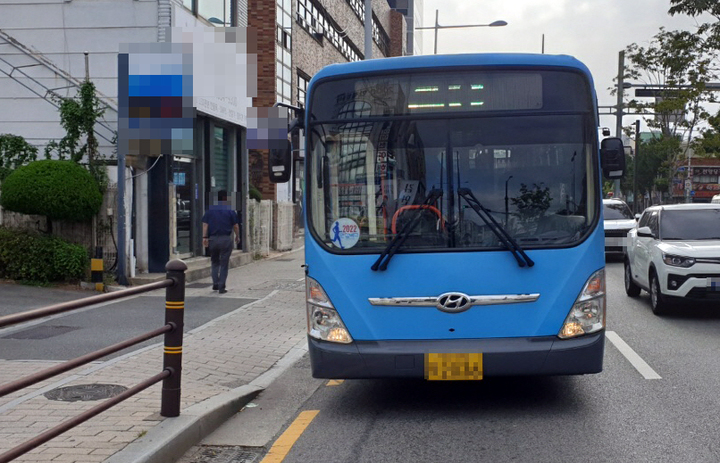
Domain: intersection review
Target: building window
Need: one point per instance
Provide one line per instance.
(705, 178)
(313, 18)
(380, 37)
(303, 80)
(283, 48)
(216, 12)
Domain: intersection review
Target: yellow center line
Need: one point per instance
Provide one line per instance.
(284, 443)
(334, 382)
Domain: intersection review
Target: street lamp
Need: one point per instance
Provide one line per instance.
(438, 26)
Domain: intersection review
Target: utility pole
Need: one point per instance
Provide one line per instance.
(688, 182)
(437, 26)
(619, 110)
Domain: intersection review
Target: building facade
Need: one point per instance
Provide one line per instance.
(296, 38)
(412, 11)
(702, 176)
(49, 47)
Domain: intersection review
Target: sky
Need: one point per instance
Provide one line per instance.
(592, 31)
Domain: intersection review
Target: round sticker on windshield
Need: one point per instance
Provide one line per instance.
(344, 233)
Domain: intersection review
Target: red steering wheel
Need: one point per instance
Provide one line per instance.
(417, 206)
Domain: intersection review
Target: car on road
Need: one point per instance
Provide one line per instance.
(618, 221)
(674, 254)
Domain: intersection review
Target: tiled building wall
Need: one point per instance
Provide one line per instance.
(311, 55)
(398, 31)
(262, 18)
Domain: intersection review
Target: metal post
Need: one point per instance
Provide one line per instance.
(437, 26)
(619, 110)
(688, 198)
(507, 210)
(368, 29)
(87, 65)
(635, 164)
(97, 269)
(172, 358)
(123, 69)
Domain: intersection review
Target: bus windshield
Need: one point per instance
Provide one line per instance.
(387, 152)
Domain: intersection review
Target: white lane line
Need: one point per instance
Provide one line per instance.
(635, 360)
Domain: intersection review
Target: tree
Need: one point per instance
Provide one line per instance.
(59, 190)
(14, 152)
(709, 36)
(695, 8)
(678, 63)
(708, 144)
(78, 117)
(654, 172)
(532, 202)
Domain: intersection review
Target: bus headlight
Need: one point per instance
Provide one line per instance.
(587, 314)
(323, 321)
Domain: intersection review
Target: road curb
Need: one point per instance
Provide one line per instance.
(170, 439)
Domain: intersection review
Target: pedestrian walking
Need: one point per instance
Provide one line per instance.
(220, 222)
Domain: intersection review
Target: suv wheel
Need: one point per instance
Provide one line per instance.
(658, 303)
(631, 289)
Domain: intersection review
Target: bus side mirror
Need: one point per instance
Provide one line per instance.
(612, 158)
(280, 163)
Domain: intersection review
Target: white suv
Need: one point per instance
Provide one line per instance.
(674, 254)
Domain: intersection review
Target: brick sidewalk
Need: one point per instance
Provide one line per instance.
(224, 354)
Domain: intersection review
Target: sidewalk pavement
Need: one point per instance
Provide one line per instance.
(226, 363)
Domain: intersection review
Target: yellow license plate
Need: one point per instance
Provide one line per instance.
(453, 367)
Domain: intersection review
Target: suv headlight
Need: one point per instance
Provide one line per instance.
(678, 261)
(587, 314)
(323, 321)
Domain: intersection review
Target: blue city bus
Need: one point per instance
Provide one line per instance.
(453, 217)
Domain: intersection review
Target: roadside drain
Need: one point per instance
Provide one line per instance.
(218, 454)
(85, 392)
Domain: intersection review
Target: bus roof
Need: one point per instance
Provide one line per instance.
(430, 62)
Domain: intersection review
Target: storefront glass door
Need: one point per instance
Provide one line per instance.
(182, 169)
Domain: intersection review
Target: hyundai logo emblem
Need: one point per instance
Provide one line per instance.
(453, 302)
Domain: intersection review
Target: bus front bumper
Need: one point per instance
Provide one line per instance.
(547, 355)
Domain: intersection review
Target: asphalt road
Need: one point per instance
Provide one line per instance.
(656, 401)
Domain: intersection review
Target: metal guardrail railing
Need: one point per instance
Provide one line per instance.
(172, 357)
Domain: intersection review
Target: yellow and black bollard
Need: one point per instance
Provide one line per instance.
(97, 269)
(172, 357)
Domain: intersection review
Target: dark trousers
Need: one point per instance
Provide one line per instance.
(220, 249)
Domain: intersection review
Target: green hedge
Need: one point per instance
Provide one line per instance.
(59, 190)
(26, 256)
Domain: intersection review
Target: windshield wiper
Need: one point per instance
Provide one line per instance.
(399, 239)
(496, 228)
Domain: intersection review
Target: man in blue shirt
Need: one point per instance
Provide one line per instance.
(219, 224)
